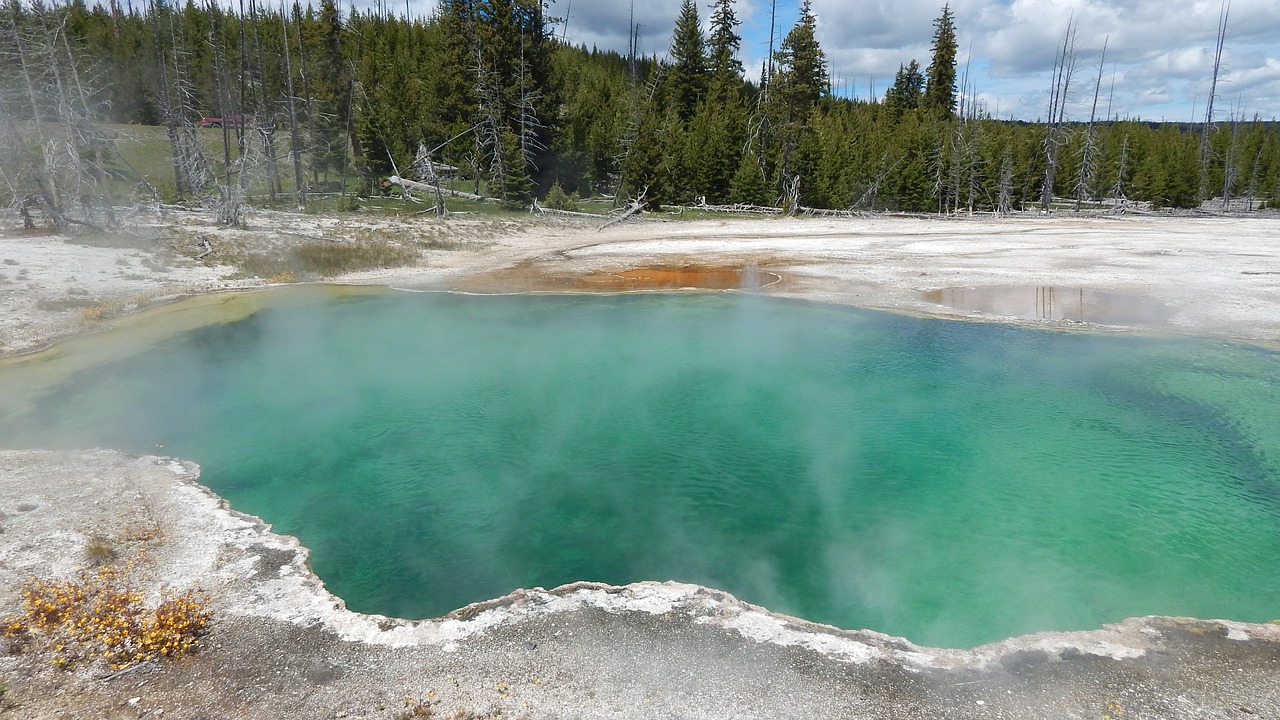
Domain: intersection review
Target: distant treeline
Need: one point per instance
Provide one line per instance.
(484, 96)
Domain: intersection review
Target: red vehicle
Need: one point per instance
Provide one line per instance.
(231, 121)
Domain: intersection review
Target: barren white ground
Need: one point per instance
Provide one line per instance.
(1218, 276)
(284, 647)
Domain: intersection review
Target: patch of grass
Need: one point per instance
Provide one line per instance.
(337, 203)
(99, 551)
(396, 205)
(75, 302)
(99, 311)
(265, 265)
(327, 259)
(446, 244)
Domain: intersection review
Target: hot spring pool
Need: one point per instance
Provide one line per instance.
(954, 483)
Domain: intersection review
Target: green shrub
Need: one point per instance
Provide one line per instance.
(558, 199)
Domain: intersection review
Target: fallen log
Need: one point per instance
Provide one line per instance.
(424, 187)
(571, 213)
(636, 206)
(824, 212)
(737, 208)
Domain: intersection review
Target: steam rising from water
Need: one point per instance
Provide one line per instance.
(951, 482)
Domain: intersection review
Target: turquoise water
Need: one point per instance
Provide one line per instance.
(954, 483)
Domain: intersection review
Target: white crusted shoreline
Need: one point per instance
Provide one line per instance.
(574, 649)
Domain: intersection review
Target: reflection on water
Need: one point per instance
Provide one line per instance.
(1054, 303)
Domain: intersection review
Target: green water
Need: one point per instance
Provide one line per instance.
(955, 483)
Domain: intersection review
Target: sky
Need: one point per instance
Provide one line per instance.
(1158, 64)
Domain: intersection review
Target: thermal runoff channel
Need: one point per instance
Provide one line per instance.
(954, 483)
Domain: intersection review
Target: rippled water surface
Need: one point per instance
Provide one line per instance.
(951, 482)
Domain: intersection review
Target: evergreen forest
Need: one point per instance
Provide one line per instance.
(285, 104)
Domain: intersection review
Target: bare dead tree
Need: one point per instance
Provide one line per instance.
(1117, 190)
(530, 144)
(937, 160)
(1004, 197)
(966, 160)
(490, 140)
(791, 194)
(265, 124)
(291, 101)
(31, 147)
(425, 168)
(306, 88)
(964, 147)
(1253, 180)
(83, 130)
(1064, 69)
(61, 154)
(58, 156)
(868, 197)
(1089, 151)
(973, 168)
(191, 169)
(765, 126)
(767, 78)
(1230, 164)
(955, 166)
(637, 205)
(221, 83)
(1208, 128)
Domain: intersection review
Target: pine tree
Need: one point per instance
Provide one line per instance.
(802, 73)
(715, 137)
(801, 81)
(940, 94)
(644, 167)
(331, 92)
(687, 76)
(449, 75)
(512, 64)
(907, 90)
(722, 60)
(717, 133)
(749, 186)
(418, 83)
